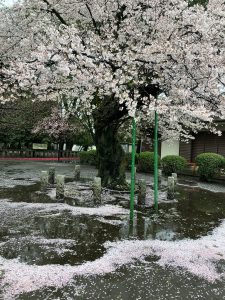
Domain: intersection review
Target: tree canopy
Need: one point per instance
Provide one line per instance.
(118, 58)
(17, 120)
(133, 50)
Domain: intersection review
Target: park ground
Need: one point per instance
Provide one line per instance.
(68, 249)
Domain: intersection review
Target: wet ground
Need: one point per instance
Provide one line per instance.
(52, 249)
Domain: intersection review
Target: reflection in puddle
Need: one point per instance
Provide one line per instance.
(195, 214)
(39, 237)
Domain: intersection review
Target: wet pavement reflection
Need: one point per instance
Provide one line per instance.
(58, 237)
(196, 213)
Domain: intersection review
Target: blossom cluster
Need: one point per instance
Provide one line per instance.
(158, 55)
(55, 126)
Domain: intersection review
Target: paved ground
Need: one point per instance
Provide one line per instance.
(54, 250)
(26, 172)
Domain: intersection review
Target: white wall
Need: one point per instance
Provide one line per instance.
(170, 147)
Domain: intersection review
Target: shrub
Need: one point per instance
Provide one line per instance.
(146, 162)
(128, 159)
(173, 164)
(209, 164)
(88, 157)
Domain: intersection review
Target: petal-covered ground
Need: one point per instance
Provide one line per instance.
(52, 250)
(199, 257)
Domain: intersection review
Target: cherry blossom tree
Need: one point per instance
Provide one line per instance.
(119, 59)
(63, 128)
(55, 126)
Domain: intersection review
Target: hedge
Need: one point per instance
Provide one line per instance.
(128, 159)
(209, 165)
(146, 162)
(173, 164)
(88, 157)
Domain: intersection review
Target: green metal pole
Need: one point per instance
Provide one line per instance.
(133, 170)
(156, 162)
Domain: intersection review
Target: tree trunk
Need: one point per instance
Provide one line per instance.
(61, 144)
(69, 145)
(138, 146)
(60, 149)
(110, 155)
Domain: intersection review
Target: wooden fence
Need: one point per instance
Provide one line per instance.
(38, 155)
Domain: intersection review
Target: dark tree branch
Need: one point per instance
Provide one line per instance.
(56, 13)
(93, 20)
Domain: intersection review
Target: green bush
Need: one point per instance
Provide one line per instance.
(88, 157)
(173, 164)
(209, 165)
(146, 162)
(128, 159)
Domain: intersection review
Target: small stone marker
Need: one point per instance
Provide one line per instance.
(174, 175)
(97, 190)
(77, 172)
(60, 186)
(51, 175)
(44, 179)
(141, 192)
(160, 176)
(171, 188)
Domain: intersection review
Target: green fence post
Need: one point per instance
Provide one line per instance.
(156, 162)
(133, 170)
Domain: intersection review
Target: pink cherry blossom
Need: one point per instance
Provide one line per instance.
(83, 49)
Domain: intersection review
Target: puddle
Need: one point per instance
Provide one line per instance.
(37, 231)
(195, 214)
(60, 239)
(23, 194)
